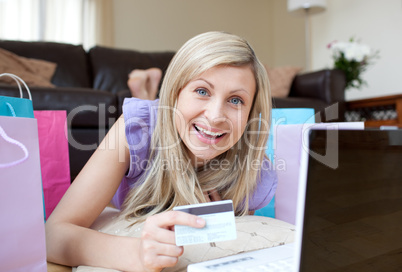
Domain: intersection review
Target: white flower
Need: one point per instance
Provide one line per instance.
(352, 51)
(352, 58)
(355, 82)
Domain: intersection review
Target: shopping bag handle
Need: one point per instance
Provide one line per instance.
(19, 81)
(15, 142)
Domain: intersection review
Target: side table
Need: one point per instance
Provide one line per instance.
(376, 112)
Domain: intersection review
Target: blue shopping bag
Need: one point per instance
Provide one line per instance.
(285, 116)
(16, 106)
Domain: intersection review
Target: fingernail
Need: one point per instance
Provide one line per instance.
(200, 221)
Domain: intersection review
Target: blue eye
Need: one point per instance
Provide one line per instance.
(236, 101)
(202, 92)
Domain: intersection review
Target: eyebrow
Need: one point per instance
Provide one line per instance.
(206, 81)
(233, 91)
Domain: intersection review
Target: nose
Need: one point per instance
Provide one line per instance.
(215, 112)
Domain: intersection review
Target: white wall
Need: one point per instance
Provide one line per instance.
(376, 23)
(288, 36)
(153, 25)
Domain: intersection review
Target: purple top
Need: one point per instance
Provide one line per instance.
(140, 120)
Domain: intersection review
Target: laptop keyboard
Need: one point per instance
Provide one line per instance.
(284, 265)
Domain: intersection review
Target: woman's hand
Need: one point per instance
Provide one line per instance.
(158, 246)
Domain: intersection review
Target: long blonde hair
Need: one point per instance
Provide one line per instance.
(170, 179)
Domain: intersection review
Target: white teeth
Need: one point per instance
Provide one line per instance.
(210, 133)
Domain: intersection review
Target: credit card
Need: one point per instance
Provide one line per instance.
(220, 223)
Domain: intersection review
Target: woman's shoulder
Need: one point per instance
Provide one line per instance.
(139, 121)
(139, 110)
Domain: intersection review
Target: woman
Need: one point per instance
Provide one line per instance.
(204, 140)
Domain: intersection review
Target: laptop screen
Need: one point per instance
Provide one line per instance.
(353, 208)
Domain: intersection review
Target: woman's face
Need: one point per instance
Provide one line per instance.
(213, 109)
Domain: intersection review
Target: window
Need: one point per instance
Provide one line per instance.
(87, 22)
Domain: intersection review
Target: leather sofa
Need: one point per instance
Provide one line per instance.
(322, 90)
(91, 86)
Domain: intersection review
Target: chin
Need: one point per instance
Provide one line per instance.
(207, 156)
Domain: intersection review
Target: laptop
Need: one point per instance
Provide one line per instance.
(349, 215)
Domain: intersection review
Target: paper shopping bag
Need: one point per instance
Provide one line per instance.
(16, 106)
(54, 156)
(22, 229)
(282, 116)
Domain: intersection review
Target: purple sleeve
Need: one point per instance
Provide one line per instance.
(266, 187)
(139, 120)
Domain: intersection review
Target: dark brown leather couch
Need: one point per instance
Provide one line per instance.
(91, 86)
(323, 90)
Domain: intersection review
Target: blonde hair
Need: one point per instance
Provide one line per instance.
(162, 188)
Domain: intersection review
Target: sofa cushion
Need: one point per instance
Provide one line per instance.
(281, 78)
(35, 72)
(111, 66)
(82, 144)
(72, 62)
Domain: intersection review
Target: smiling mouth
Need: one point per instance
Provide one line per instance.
(208, 134)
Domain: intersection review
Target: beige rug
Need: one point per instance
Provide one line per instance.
(253, 232)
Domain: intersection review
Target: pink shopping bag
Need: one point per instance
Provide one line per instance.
(22, 229)
(54, 156)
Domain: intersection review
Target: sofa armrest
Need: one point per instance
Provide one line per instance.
(327, 85)
(121, 95)
(87, 108)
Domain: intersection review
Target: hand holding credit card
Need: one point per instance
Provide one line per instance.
(220, 223)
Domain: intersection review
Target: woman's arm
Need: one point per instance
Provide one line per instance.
(69, 240)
